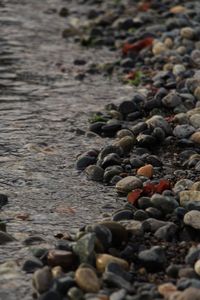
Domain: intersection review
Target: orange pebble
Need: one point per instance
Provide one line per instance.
(146, 171)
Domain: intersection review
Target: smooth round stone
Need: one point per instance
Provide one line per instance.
(138, 128)
(84, 248)
(42, 279)
(124, 132)
(167, 289)
(111, 171)
(167, 232)
(103, 260)
(94, 173)
(187, 272)
(128, 184)
(153, 259)
(118, 295)
(159, 121)
(187, 33)
(84, 161)
(178, 9)
(188, 196)
(196, 137)
(65, 259)
(146, 171)
(136, 162)
(164, 203)
(103, 234)
(197, 267)
(111, 159)
(181, 118)
(87, 280)
(195, 57)
(183, 184)
(154, 212)
(126, 143)
(109, 149)
(110, 129)
(144, 202)
(178, 69)
(119, 232)
(159, 48)
(195, 121)
(57, 272)
(173, 270)
(126, 107)
(171, 100)
(132, 226)
(124, 214)
(159, 134)
(196, 186)
(141, 215)
(97, 127)
(145, 140)
(30, 265)
(183, 131)
(153, 225)
(192, 218)
(63, 284)
(192, 256)
(75, 293)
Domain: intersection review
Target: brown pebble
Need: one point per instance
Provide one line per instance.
(102, 260)
(87, 280)
(146, 171)
(65, 259)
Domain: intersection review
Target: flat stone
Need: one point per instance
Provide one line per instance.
(128, 184)
(102, 261)
(65, 259)
(192, 218)
(87, 280)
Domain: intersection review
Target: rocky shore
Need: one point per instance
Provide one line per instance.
(148, 154)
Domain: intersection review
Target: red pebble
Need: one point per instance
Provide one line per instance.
(137, 46)
(134, 195)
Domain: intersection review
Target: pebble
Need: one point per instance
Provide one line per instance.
(126, 143)
(159, 48)
(187, 33)
(195, 137)
(197, 267)
(42, 279)
(164, 203)
(192, 218)
(195, 121)
(65, 259)
(95, 173)
(146, 171)
(87, 280)
(128, 184)
(103, 260)
(6, 238)
(171, 100)
(183, 131)
(119, 232)
(153, 259)
(188, 196)
(159, 121)
(84, 248)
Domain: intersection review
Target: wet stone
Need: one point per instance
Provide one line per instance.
(111, 171)
(87, 280)
(123, 215)
(84, 248)
(128, 184)
(31, 265)
(42, 279)
(94, 173)
(63, 284)
(62, 258)
(119, 232)
(103, 260)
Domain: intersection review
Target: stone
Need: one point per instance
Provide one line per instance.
(111, 159)
(183, 131)
(75, 293)
(63, 284)
(103, 234)
(125, 214)
(84, 248)
(111, 171)
(167, 232)
(183, 184)
(187, 33)
(146, 140)
(197, 267)
(195, 57)
(31, 265)
(195, 186)
(188, 196)
(65, 259)
(132, 226)
(119, 232)
(102, 261)
(95, 173)
(195, 121)
(84, 161)
(166, 289)
(57, 272)
(197, 93)
(87, 280)
(195, 137)
(159, 121)
(146, 171)
(153, 225)
(164, 203)
(126, 143)
(118, 295)
(159, 48)
(126, 107)
(128, 184)
(178, 9)
(178, 69)
(114, 280)
(124, 132)
(42, 279)
(153, 259)
(171, 100)
(192, 218)
(6, 238)
(32, 240)
(193, 255)
(191, 293)
(110, 129)
(50, 295)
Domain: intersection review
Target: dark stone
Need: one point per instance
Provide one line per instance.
(110, 160)
(153, 259)
(3, 200)
(50, 295)
(144, 202)
(127, 107)
(84, 161)
(140, 215)
(167, 233)
(125, 214)
(63, 284)
(97, 127)
(31, 265)
(111, 129)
